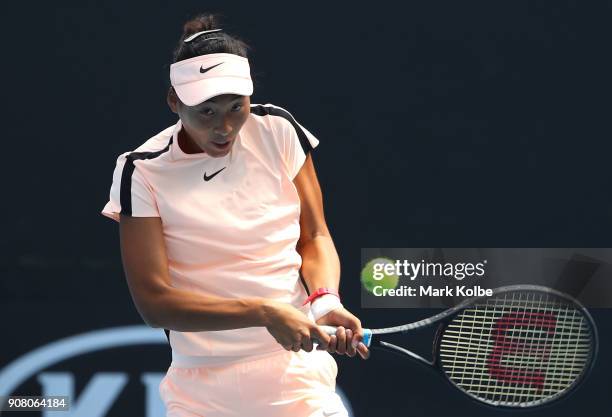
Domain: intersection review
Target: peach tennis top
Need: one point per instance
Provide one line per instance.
(233, 235)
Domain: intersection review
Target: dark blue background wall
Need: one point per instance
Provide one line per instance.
(456, 124)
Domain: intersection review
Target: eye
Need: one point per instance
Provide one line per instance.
(207, 111)
(237, 107)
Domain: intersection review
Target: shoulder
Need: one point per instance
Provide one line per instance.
(272, 116)
(289, 137)
(270, 112)
(152, 147)
(282, 123)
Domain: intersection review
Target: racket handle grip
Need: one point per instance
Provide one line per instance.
(367, 334)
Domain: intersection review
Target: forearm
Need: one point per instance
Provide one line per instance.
(320, 263)
(186, 311)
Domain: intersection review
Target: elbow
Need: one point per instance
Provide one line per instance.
(150, 320)
(150, 304)
(313, 237)
(149, 312)
(151, 323)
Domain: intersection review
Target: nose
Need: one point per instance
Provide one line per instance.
(225, 128)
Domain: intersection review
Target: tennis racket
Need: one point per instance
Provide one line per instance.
(524, 346)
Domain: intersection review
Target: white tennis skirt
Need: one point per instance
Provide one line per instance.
(287, 384)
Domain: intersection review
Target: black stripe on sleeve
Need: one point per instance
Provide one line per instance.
(260, 110)
(125, 194)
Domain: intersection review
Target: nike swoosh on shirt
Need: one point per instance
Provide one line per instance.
(203, 70)
(210, 177)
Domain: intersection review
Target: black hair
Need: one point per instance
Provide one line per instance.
(223, 42)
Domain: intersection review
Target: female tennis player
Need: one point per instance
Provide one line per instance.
(225, 245)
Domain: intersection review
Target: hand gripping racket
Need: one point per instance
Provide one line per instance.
(524, 346)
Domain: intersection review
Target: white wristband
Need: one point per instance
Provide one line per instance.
(323, 305)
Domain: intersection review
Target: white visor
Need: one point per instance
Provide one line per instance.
(197, 79)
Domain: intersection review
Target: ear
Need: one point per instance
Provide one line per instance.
(172, 100)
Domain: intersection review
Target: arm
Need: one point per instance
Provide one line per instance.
(320, 262)
(163, 306)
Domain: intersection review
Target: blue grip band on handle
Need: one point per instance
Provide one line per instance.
(367, 337)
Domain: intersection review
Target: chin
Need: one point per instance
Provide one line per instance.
(218, 154)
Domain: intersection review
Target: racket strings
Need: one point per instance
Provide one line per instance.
(517, 349)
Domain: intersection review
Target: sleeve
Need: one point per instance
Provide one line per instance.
(297, 142)
(130, 194)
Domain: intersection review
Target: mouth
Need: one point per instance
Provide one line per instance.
(222, 145)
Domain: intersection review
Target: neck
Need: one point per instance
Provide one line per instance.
(186, 143)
